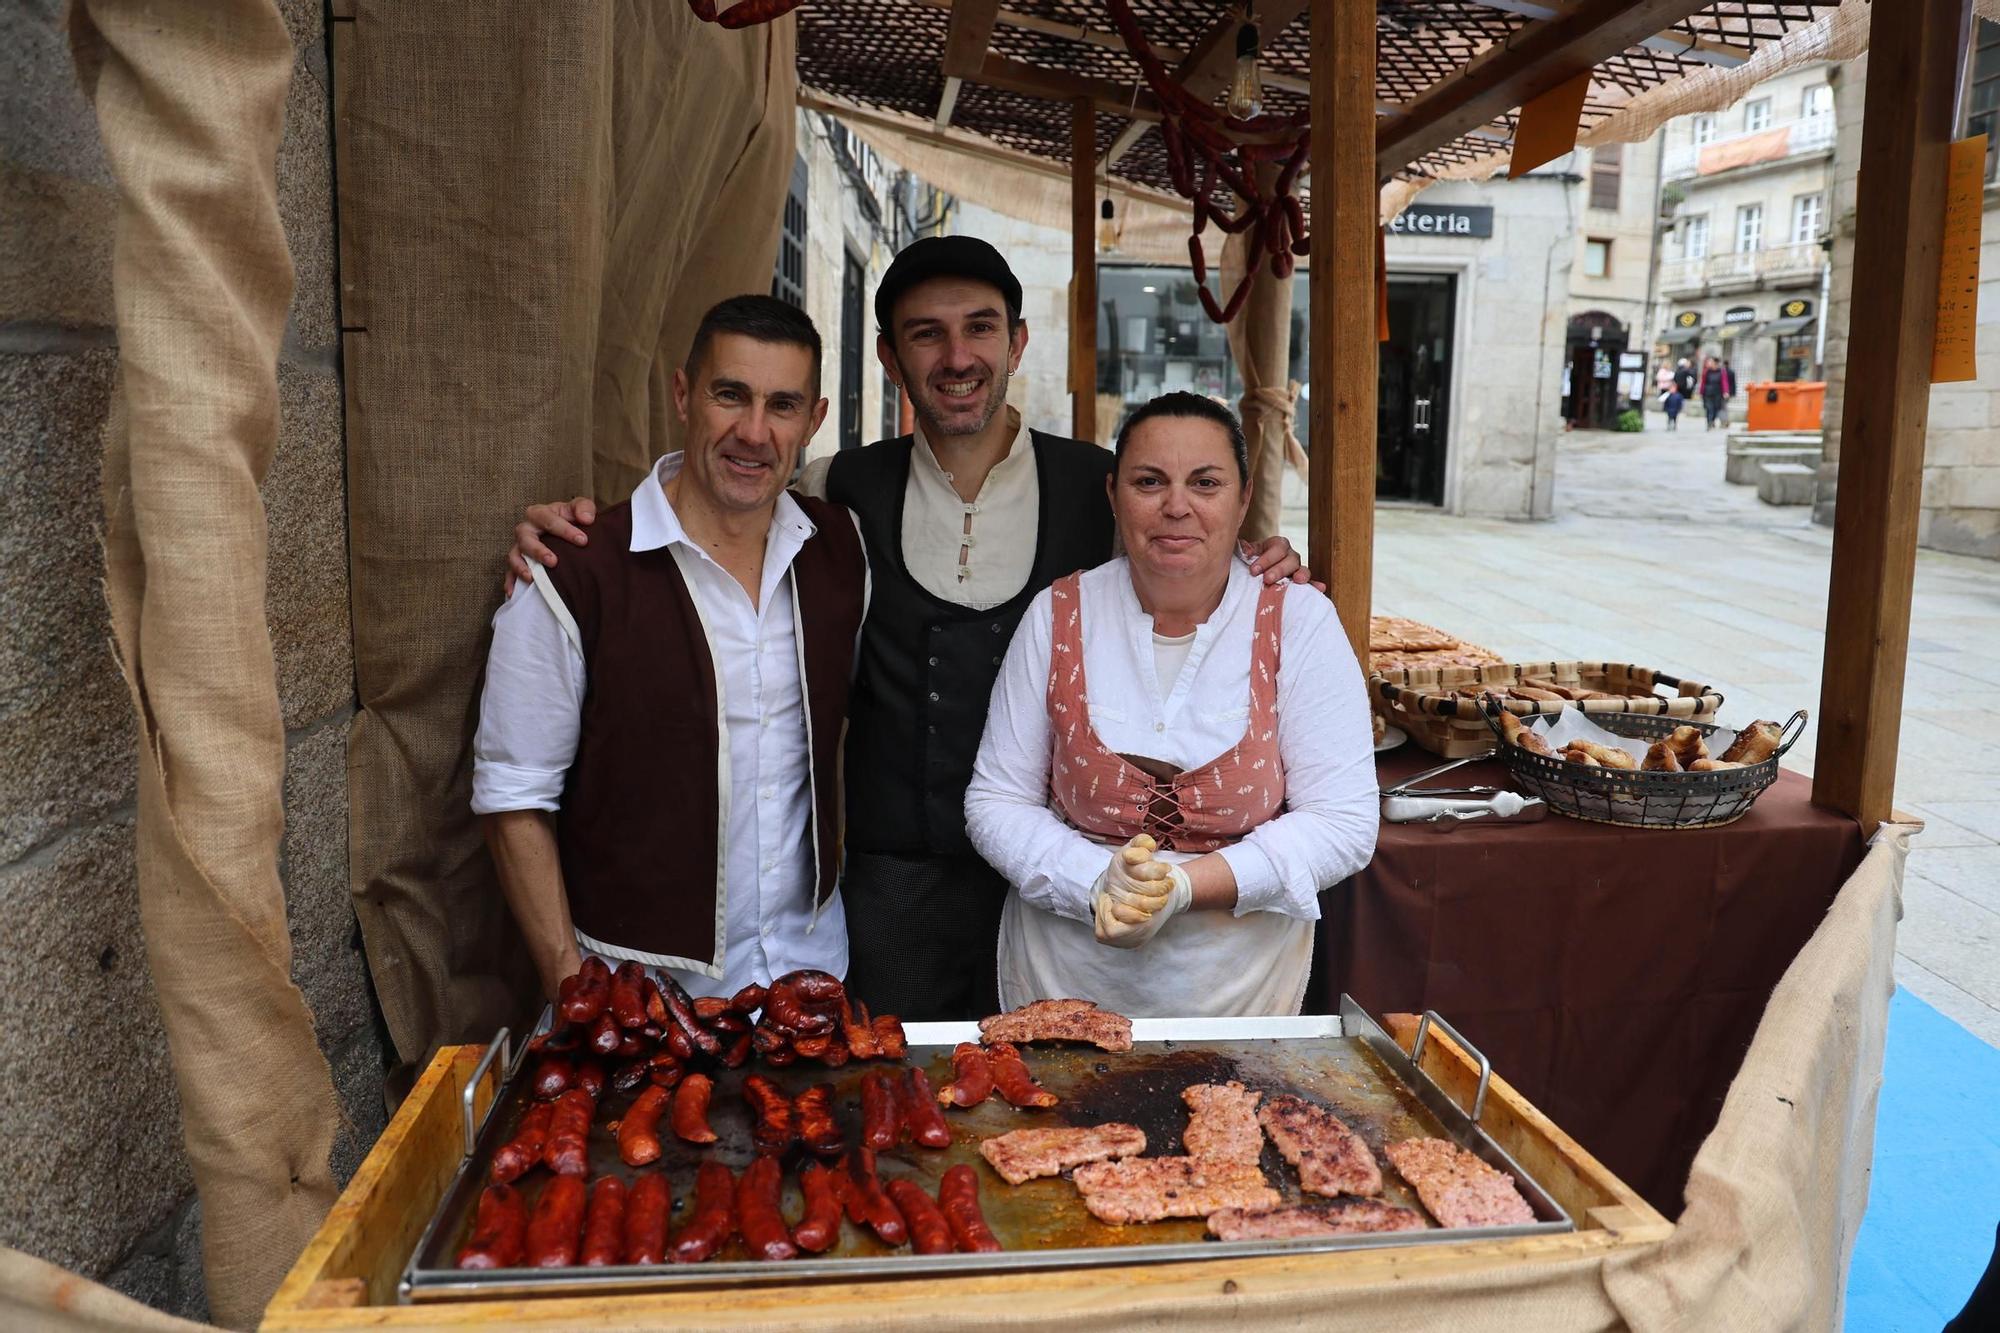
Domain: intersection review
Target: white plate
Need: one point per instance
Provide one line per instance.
(1391, 738)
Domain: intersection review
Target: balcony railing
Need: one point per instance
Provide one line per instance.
(1786, 139)
(1773, 264)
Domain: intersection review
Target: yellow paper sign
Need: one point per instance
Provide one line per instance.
(1547, 127)
(1952, 350)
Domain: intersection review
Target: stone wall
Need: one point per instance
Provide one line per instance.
(89, 1121)
(1961, 487)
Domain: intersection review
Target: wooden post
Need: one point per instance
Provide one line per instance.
(1083, 269)
(1341, 526)
(1914, 57)
(1260, 342)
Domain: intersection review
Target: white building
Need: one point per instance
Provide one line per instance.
(1608, 346)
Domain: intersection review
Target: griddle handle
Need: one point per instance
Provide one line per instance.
(1424, 1024)
(502, 1046)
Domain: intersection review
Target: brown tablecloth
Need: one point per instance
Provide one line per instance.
(1613, 975)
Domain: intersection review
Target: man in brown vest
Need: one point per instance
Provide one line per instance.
(657, 761)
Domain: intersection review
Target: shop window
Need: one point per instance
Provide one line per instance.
(1757, 115)
(1805, 218)
(1749, 228)
(1704, 130)
(1982, 102)
(1596, 258)
(1694, 237)
(788, 275)
(1606, 168)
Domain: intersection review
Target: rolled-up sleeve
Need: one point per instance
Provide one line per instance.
(1007, 814)
(531, 711)
(1332, 803)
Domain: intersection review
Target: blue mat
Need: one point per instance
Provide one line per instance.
(1935, 1196)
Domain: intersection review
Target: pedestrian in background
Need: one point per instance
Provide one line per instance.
(1672, 399)
(1717, 386)
(1684, 378)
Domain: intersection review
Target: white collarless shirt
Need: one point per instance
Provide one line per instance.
(975, 553)
(530, 717)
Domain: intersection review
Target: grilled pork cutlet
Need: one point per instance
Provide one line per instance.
(1224, 1124)
(1330, 1157)
(1148, 1189)
(1025, 1154)
(1060, 1020)
(1458, 1188)
(1328, 1217)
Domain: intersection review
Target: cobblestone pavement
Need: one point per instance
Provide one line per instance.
(1654, 559)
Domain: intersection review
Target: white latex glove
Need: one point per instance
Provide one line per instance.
(1135, 897)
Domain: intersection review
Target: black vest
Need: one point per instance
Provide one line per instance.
(918, 705)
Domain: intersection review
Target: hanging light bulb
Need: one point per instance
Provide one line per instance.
(1107, 230)
(1246, 87)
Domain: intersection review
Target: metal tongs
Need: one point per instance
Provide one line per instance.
(1449, 808)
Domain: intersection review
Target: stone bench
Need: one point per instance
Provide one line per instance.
(1744, 439)
(1742, 467)
(1786, 484)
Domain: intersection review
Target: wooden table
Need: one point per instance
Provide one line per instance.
(1614, 975)
(347, 1276)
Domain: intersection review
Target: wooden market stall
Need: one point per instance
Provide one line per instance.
(1395, 94)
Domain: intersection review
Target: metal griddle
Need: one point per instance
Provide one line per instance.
(1345, 1062)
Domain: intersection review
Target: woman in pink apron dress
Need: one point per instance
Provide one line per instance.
(1169, 697)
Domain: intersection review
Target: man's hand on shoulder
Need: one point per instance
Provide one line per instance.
(566, 519)
(1276, 561)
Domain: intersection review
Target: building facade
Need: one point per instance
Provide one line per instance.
(1607, 356)
(1743, 271)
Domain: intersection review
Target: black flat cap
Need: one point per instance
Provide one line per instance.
(945, 257)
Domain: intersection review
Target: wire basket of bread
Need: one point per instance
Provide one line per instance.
(1441, 708)
(1639, 770)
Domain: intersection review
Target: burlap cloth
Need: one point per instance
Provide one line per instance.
(190, 103)
(536, 205)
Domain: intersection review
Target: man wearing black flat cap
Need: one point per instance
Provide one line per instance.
(965, 521)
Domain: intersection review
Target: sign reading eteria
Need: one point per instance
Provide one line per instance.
(1443, 220)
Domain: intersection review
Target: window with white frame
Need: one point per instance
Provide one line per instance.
(1805, 218)
(1757, 115)
(1704, 130)
(1818, 100)
(1694, 237)
(1749, 228)
(1596, 258)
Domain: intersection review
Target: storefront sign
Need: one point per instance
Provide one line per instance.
(1739, 314)
(1795, 309)
(1688, 319)
(1443, 220)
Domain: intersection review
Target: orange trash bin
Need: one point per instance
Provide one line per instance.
(1786, 406)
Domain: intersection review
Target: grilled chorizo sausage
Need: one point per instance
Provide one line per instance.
(888, 1031)
(663, 1069)
(646, 1209)
(557, 1223)
(689, 1116)
(638, 1132)
(881, 1118)
(737, 1053)
(923, 1118)
(604, 1224)
(628, 1075)
(604, 1035)
(520, 1154)
(1011, 1076)
(819, 1226)
(878, 1210)
(818, 1130)
(582, 1002)
(680, 1008)
(713, 1219)
(759, 1217)
(971, 1076)
(805, 1003)
(860, 1037)
(628, 1002)
(929, 1232)
(748, 1000)
(958, 1200)
(708, 1008)
(552, 1077)
(655, 1001)
(776, 1129)
(499, 1230)
(568, 1153)
(590, 1077)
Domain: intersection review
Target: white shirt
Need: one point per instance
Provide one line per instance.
(531, 714)
(975, 553)
(1325, 833)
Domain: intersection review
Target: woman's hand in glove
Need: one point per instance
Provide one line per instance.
(1137, 894)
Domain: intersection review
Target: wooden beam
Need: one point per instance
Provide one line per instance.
(1341, 520)
(1205, 70)
(1537, 58)
(1083, 269)
(1914, 57)
(1016, 76)
(968, 35)
(1672, 42)
(947, 101)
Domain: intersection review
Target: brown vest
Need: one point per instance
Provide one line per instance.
(639, 828)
